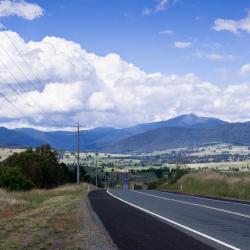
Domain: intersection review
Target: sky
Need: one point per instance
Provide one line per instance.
(122, 62)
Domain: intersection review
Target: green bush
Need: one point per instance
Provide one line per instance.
(13, 179)
(159, 173)
(175, 175)
(153, 185)
(138, 187)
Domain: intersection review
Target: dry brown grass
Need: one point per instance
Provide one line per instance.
(216, 184)
(49, 219)
(6, 152)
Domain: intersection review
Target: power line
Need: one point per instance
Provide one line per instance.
(13, 76)
(15, 80)
(20, 86)
(17, 93)
(9, 85)
(20, 69)
(13, 105)
(78, 154)
(23, 58)
(4, 28)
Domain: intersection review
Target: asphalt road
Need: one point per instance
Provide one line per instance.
(132, 229)
(216, 223)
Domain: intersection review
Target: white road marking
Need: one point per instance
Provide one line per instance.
(203, 198)
(176, 223)
(198, 205)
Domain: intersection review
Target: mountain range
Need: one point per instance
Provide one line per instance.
(182, 131)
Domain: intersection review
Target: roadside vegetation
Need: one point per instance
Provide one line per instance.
(228, 185)
(40, 208)
(37, 168)
(48, 219)
(40, 219)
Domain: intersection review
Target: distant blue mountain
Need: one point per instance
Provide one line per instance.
(122, 140)
(93, 139)
(13, 138)
(185, 121)
(175, 137)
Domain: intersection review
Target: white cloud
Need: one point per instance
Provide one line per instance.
(103, 90)
(215, 56)
(182, 44)
(161, 5)
(166, 32)
(20, 8)
(245, 70)
(234, 26)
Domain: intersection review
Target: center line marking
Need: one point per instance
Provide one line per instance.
(195, 204)
(176, 223)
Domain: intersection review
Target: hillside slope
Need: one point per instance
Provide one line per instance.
(173, 137)
(184, 121)
(13, 138)
(184, 130)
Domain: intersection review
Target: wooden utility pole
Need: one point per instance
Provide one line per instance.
(96, 167)
(78, 154)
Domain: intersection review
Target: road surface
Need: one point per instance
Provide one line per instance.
(196, 223)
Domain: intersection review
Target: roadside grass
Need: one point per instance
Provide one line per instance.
(46, 219)
(236, 186)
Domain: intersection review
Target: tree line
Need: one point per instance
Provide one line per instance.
(37, 168)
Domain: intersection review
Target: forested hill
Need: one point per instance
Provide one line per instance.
(184, 130)
(173, 137)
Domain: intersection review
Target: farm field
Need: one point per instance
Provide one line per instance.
(222, 166)
(207, 150)
(6, 152)
(204, 157)
(222, 157)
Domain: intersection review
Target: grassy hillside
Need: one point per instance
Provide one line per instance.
(214, 184)
(48, 219)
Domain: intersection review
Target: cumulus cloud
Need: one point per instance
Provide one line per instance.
(20, 8)
(78, 86)
(234, 26)
(182, 44)
(161, 5)
(245, 70)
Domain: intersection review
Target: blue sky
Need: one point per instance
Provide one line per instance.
(166, 36)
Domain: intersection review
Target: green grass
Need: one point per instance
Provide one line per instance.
(235, 186)
(42, 219)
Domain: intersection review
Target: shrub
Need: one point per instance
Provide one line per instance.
(176, 174)
(138, 187)
(13, 179)
(153, 185)
(159, 173)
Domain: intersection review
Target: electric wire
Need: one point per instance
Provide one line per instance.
(3, 28)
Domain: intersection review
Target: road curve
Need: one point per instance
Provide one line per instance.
(133, 229)
(219, 224)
